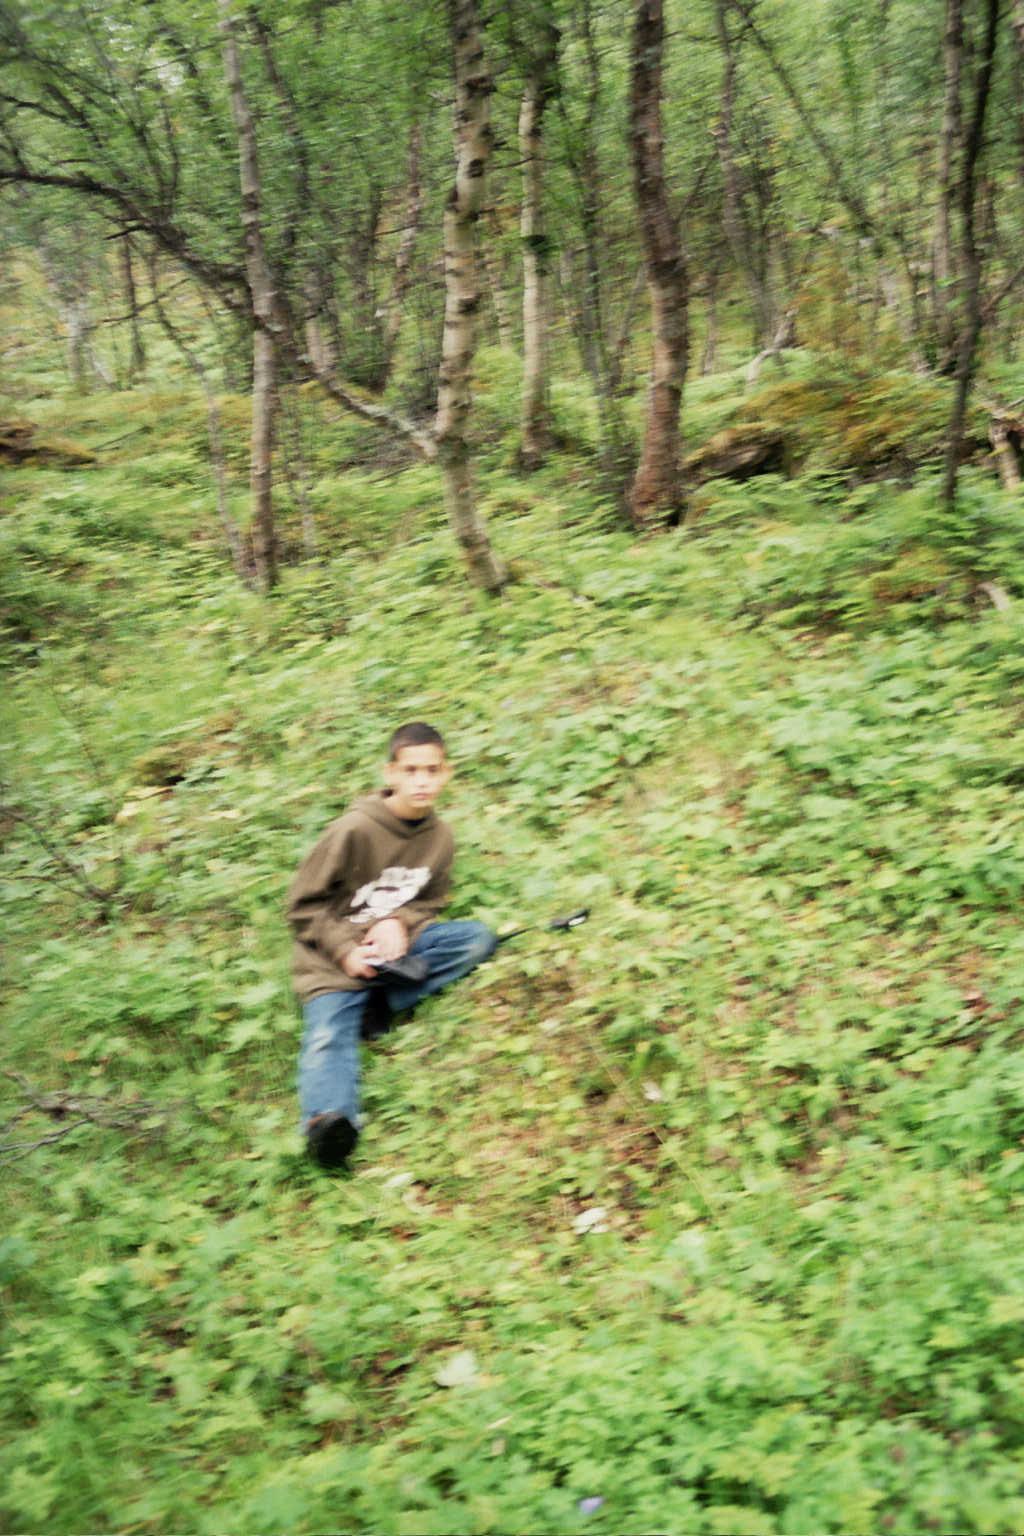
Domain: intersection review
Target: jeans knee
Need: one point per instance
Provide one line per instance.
(483, 943)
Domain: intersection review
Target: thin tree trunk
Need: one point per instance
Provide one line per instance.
(709, 356)
(950, 145)
(536, 425)
(403, 260)
(785, 336)
(297, 474)
(318, 335)
(614, 451)
(364, 360)
(137, 353)
(70, 290)
(78, 323)
(1017, 81)
(473, 137)
(623, 336)
(738, 237)
(494, 269)
(971, 257)
(593, 315)
(264, 370)
(1006, 459)
(845, 190)
(656, 486)
(214, 435)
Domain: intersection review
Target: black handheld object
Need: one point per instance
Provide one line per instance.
(408, 968)
(557, 925)
(414, 968)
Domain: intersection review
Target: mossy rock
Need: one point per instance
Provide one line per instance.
(885, 424)
(737, 452)
(171, 761)
(20, 444)
(166, 764)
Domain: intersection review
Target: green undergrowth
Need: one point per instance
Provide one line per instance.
(703, 1219)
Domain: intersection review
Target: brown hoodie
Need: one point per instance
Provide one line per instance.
(369, 864)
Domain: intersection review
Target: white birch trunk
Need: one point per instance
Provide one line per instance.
(403, 260)
(137, 353)
(264, 373)
(536, 424)
(495, 270)
(462, 297)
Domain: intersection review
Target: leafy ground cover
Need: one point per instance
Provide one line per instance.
(705, 1220)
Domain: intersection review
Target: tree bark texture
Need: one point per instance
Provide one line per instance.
(535, 425)
(736, 232)
(970, 331)
(709, 356)
(494, 267)
(261, 288)
(316, 326)
(214, 434)
(403, 259)
(656, 486)
(624, 333)
(70, 288)
(137, 354)
(950, 146)
(297, 474)
(1017, 81)
(473, 138)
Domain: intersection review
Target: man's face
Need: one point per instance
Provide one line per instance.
(415, 777)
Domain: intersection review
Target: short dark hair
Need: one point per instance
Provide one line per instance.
(415, 734)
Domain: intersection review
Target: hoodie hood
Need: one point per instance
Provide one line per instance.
(376, 807)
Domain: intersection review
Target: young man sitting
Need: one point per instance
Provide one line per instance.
(368, 894)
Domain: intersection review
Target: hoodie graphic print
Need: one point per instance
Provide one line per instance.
(368, 865)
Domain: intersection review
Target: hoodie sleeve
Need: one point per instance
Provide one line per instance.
(321, 893)
(432, 899)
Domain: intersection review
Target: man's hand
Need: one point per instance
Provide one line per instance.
(388, 938)
(359, 963)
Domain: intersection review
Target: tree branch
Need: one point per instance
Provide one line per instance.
(139, 1117)
(228, 281)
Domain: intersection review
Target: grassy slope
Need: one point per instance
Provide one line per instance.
(776, 755)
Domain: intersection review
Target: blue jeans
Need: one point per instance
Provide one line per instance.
(329, 1058)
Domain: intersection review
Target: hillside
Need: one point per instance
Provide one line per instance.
(702, 1219)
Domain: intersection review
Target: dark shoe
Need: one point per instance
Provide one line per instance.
(330, 1139)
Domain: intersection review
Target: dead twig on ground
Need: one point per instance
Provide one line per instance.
(133, 1117)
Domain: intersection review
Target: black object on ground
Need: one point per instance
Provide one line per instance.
(414, 968)
(557, 925)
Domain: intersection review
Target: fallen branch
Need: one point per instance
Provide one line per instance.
(75, 875)
(785, 336)
(135, 1117)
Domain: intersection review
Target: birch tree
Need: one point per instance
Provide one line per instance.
(473, 139)
(737, 232)
(971, 255)
(535, 426)
(950, 148)
(261, 289)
